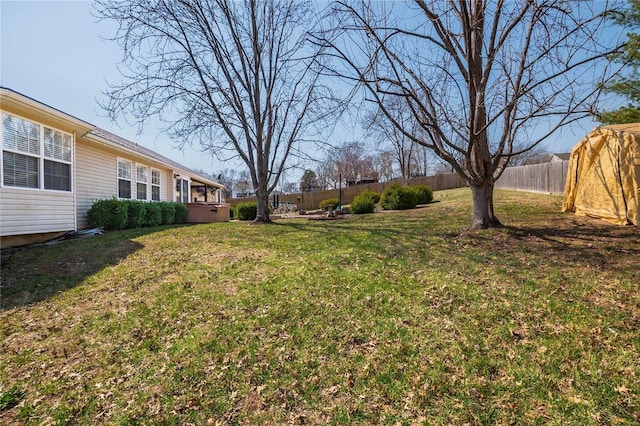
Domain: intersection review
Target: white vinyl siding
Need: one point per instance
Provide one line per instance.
(37, 212)
(96, 172)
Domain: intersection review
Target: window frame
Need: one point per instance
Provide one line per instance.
(139, 181)
(43, 154)
(123, 178)
(155, 186)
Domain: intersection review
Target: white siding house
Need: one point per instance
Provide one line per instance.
(53, 166)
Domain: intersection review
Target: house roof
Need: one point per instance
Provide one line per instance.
(23, 102)
(564, 156)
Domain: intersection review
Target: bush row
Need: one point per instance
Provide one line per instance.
(395, 197)
(113, 214)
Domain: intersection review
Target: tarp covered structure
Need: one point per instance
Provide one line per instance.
(604, 175)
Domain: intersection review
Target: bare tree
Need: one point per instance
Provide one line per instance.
(227, 177)
(539, 154)
(235, 77)
(326, 175)
(404, 147)
(289, 187)
(422, 161)
(384, 164)
(477, 75)
(350, 162)
(243, 184)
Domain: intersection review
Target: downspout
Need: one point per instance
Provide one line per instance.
(74, 191)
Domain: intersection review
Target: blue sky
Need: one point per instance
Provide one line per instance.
(54, 52)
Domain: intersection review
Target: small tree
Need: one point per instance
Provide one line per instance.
(309, 181)
(627, 85)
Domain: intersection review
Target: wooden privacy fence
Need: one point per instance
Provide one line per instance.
(547, 178)
(311, 200)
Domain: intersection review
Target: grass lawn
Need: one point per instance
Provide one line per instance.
(389, 318)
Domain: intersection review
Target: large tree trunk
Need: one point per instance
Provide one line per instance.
(482, 216)
(262, 197)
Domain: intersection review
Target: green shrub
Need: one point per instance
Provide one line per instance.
(371, 194)
(181, 213)
(363, 203)
(329, 204)
(153, 216)
(397, 197)
(424, 193)
(136, 211)
(109, 214)
(247, 210)
(168, 213)
(114, 214)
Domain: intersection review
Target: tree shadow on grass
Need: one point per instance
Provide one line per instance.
(600, 245)
(565, 241)
(34, 273)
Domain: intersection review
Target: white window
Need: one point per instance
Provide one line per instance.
(35, 156)
(57, 160)
(141, 181)
(124, 178)
(155, 185)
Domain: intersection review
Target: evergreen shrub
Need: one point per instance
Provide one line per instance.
(329, 204)
(181, 213)
(424, 193)
(168, 213)
(363, 203)
(398, 197)
(371, 194)
(112, 213)
(153, 216)
(136, 211)
(247, 210)
(108, 213)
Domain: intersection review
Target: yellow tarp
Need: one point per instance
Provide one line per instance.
(603, 175)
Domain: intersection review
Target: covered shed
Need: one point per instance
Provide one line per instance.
(604, 175)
